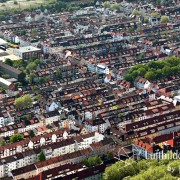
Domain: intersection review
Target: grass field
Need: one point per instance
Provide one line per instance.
(21, 4)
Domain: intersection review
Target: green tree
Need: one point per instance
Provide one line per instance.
(32, 76)
(155, 69)
(164, 19)
(31, 133)
(142, 165)
(150, 75)
(143, 170)
(175, 70)
(135, 74)
(154, 14)
(138, 29)
(166, 71)
(120, 170)
(16, 137)
(9, 62)
(169, 177)
(22, 32)
(130, 29)
(159, 74)
(146, 20)
(109, 155)
(35, 88)
(43, 80)
(136, 67)
(173, 61)
(115, 6)
(41, 156)
(37, 97)
(107, 4)
(58, 74)
(152, 64)
(3, 143)
(142, 55)
(175, 166)
(92, 161)
(129, 78)
(23, 102)
(158, 64)
(2, 17)
(34, 32)
(141, 71)
(31, 66)
(135, 12)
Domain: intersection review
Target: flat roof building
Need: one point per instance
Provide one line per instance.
(27, 52)
(13, 72)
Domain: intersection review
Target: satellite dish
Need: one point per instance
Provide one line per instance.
(42, 141)
(19, 148)
(31, 144)
(54, 138)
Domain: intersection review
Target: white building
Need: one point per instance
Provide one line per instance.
(99, 68)
(19, 158)
(27, 52)
(5, 119)
(97, 125)
(52, 116)
(52, 107)
(154, 21)
(3, 43)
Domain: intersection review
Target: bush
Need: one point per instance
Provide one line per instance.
(16, 138)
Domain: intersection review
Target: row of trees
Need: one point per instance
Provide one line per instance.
(26, 67)
(107, 4)
(143, 170)
(29, 67)
(155, 69)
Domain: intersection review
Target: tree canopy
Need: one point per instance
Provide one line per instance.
(154, 14)
(41, 156)
(155, 69)
(23, 102)
(92, 161)
(143, 170)
(3, 143)
(107, 4)
(9, 62)
(136, 12)
(16, 138)
(31, 66)
(164, 19)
